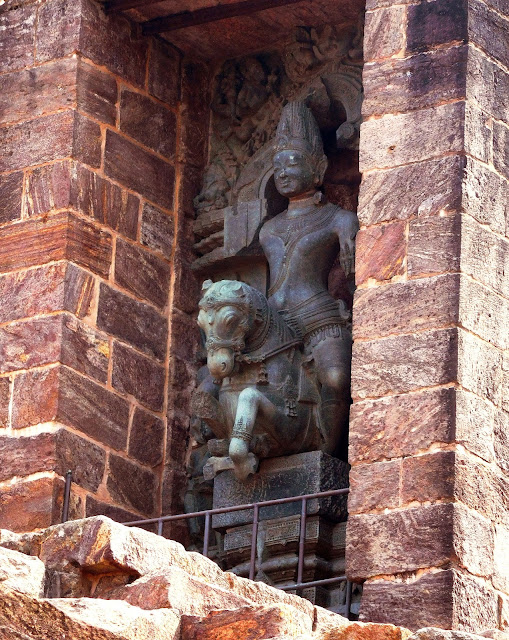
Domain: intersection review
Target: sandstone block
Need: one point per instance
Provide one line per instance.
(501, 148)
(381, 252)
(131, 485)
(132, 321)
(427, 477)
(35, 397)
(252, 622)
(487, 29)
(48, 187)
(187, 286)
(84, 349)
(174, 589)
(404, 363)
(88, 246)
(18, 29)
(478, 133)
(22, 573)
(475, 424)
(164, 72)
(379, 544)
(427, 303)
(85, 459)
(138, 376)
(436, 23)
(142, 273)
(58, 29)
(174, 486)
(112, 41)
(106, 202)
(11, 190)
(501, 439)
(30, 343)
(178, 437)
(414, 82)
(36, 141)
(374, 486)
(412, 137)
(92, 409)
(157, 230)
(424, 601)
(185, 336)
(479, 366)
(79, 291)
(194, 123)
(33, 92)
(139, 170)
(31, 504)
(420, 189)
(5, 394)
(475, 604)
(87, 141)
(486, 196)
(95, 507)
(96, 93)
(383, 36)
(473, 541)
(148, 122)
(32, 292)
(434, 245)
(146, 438)
(23, 456)
(83, 618)
(485, 256)
(487, 84)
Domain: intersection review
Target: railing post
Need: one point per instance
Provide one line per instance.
(348, 598)
(254, 539)
(160, 525)
(206, 535)
(302, 540)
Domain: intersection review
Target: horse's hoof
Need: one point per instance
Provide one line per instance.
(246, 468)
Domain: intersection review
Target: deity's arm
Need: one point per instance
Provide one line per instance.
(347, 225)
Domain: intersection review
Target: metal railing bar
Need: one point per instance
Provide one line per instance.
(240, 507)
(254, 540)
(314, 583)
(348, 598)
(160, 527)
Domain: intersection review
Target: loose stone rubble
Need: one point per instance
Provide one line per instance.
(95, 579)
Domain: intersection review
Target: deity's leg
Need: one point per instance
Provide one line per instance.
(332, 358)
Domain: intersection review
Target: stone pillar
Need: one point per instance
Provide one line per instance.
(93, 192)
(429, 511)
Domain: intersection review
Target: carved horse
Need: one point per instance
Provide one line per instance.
(260, 400)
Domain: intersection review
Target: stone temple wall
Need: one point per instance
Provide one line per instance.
(96, 290)
(102, 136)
(429, 511)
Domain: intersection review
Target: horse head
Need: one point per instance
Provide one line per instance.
(229, 313)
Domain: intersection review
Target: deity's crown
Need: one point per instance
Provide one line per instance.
(297, 129)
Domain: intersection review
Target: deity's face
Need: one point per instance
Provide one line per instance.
(294, 173)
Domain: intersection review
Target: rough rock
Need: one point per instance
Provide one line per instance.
(28, 618)
(21, 572)
(248, 623)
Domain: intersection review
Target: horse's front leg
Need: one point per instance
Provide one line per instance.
(251, 404)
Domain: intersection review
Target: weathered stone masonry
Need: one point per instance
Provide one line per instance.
(428, 527)
(93, 257)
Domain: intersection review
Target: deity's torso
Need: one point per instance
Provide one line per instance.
(301, 251)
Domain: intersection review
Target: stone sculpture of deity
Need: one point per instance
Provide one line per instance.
(301, 245)
(279, 367)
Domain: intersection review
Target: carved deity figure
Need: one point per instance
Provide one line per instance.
(301, 245)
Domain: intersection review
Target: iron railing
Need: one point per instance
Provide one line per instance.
(255, 506)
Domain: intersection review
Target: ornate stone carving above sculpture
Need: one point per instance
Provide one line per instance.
(280, 367)
(322, 67)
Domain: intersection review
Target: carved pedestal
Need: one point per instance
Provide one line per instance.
(279, 527)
